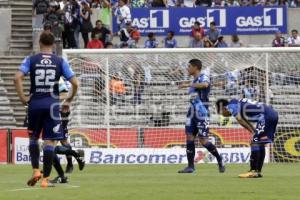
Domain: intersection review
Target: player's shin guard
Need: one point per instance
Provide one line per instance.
(190, 153)
(48, 160)
(213, 150)
(34, 151)
(57, 166)
(262, 154)
(254, 157)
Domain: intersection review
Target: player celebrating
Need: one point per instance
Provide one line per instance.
(197, 121)
(246, 111)
(43, 105)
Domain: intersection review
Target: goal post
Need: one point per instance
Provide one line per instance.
(129, 101)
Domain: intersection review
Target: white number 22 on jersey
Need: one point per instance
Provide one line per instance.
(45, 77)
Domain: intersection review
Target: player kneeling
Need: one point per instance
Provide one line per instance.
(266, 118)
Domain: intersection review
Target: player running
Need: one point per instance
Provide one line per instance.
(43, 104)
(266, 118)
(197, 121)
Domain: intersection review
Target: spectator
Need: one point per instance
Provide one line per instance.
(294, 39)
(117, 90)
(159, 3)
(196, 42)
(123, 14)
(124, 45)
(54, 18)
(151, 42)
(232, 3)
(135, 36)
(169, 41)
(86, 25)
(95, 43)
(278, 41)
(235, 41)
(249, 91)
(138, 3)
(213, 33)
(231, 86)
(105, 35)
(39, 9)
(138, 84)
(197, 28)
(126, 35)
(105, 13)
(202, 3)
(295, 3)
(71, 21)
(221, 43)
(283, 3)
(245, 3)
(218, 3)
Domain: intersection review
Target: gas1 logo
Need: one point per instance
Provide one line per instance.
(156, 19)
(271, 17)
(216, 15)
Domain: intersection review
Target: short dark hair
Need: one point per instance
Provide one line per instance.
(213, 23)
(98, 21)
(294, 30)
(150, 35)
(221, 102)
(172, 33)
(47, 38)
(197, 23)
(196, 62)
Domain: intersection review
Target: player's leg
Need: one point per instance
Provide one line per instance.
(203, 131)
(34, 129)
(61, 178)
(190, 130)
(66, 148)
(52, 133)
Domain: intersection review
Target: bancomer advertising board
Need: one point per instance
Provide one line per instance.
(231, 20)
(142, 155)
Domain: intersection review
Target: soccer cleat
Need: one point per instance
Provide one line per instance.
(187, 170)
(59, 179)
(221, 166)
(80, 159)
(35, 178)
(69, 169)
(251, 174)
(46, 183)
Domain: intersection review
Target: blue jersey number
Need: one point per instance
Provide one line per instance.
(45, 77)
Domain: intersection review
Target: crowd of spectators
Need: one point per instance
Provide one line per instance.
(70, 19)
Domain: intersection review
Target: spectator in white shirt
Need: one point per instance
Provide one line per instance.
(123, 14)
(294, 40)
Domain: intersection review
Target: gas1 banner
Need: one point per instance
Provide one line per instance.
(230, 20)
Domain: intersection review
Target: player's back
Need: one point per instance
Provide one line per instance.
(201, 94)
(45, 72)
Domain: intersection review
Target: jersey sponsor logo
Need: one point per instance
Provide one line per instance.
(56, 129)
(46, 61)
(216, 15)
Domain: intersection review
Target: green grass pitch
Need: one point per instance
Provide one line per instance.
(156, 182)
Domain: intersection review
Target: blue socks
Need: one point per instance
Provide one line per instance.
(34, 151)
(190, 153)
(213, 150)
(48, 159)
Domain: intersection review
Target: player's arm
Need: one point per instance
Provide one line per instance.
(18, 80)
(245, 124)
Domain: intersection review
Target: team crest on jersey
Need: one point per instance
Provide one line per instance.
(46, 61)
(56, 128)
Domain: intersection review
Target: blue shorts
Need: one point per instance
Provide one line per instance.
(45, 120)
(266, 127)
(196, 124)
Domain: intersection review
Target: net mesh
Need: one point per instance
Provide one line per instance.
(132, 100)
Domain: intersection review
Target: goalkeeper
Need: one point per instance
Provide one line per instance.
(266, 118)
(197, 121)
(66, 148)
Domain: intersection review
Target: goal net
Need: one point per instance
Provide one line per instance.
(129, 100)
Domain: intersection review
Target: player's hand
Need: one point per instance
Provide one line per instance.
(25, 100)
(184, 85)
(66, 106)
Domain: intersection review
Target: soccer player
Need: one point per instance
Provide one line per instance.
(266, 118)
(43, 104)
(197, 121)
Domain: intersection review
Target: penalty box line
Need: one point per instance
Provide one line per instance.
(39, 188)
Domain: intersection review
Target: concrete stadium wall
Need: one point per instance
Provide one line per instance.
(5, 31)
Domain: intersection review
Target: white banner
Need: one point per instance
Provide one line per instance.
(143, 155)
